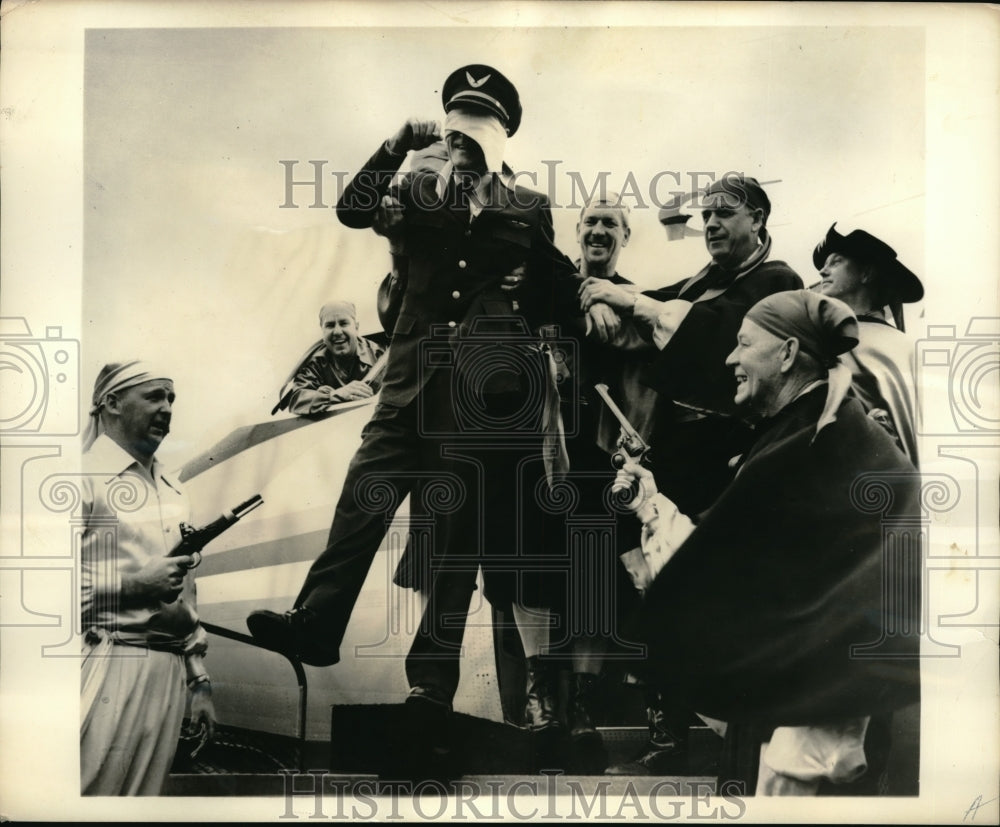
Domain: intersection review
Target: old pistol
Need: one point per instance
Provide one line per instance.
(193, 540)
(629, 443)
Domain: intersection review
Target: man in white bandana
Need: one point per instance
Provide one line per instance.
(143, 645)
(454, 404)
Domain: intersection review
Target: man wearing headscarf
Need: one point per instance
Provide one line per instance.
(864, 273)
(770, 614)
(686, 330)
(334, 369)
(454, 405)
(143, 643)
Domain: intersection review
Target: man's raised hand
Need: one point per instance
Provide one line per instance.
(414, 134)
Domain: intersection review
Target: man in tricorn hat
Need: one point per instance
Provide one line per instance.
(864, 272)
(444, 396)
(795, 643)
(688, 329)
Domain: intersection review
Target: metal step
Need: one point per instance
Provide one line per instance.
(367, 741)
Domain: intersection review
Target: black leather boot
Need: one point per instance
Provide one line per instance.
(297, 633)
(541, 716)
(424, 746)
(581, 704)
(666, 751)
(587, 755)
(541, 709)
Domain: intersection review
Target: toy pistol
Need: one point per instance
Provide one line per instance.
(629, 443)
(193, 540)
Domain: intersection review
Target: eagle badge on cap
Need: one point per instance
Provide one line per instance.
(484, 88)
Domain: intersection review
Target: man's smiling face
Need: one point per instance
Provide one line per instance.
(340, 332)
(602, 232)
(756, 363)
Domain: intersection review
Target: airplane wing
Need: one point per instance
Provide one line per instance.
(250, 436)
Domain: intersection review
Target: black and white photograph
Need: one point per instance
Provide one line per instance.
(515, 411)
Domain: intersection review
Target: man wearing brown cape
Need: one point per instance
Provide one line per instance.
(771, 614)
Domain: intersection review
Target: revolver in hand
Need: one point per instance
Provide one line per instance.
(630, 444)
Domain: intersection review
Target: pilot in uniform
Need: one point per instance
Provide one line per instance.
(450, 401)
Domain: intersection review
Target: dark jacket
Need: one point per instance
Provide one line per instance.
(317, 368)
(796, 600)
(696, 429)
(691, 369)
(453, 311)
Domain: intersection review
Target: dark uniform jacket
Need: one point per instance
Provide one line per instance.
(455, 269)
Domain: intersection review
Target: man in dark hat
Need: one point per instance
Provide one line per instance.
(688, 329)
(791, 642)
(864, 272)
(444, 400)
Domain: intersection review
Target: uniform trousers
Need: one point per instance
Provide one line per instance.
(465, 510)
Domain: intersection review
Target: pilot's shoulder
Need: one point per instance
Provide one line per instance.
(527, 202)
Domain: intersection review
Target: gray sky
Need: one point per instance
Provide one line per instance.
(190, 259)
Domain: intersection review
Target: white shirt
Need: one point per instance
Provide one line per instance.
(129, 520)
